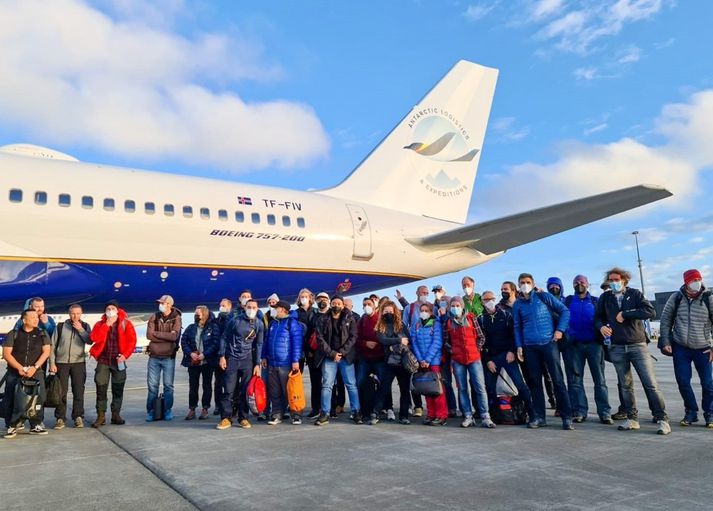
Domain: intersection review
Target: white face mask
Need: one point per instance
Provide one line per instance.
(468, 290)
(490, 305)
(526, 288)
(695, 286)
(251, 313)
(224, 310)
(243, 301)
(423, 298)
(425, 315)
(304, 301)
(368, 310)
(111, 313)
(162, 307)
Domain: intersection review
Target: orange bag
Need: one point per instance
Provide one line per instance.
(295, 392)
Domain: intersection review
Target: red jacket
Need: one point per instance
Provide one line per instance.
(465, 340)
(366, 332)
(127, 336)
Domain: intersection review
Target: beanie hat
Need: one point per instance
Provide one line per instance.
(691, 275)
(283, 304)
(111, 302)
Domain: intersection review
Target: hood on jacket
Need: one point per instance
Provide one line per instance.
(555, 281)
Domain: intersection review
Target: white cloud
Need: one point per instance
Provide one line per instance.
(697, 239)
(480, 10)
(541, 9)
(73, 75)
(596, 129)
(630, 55)
(586, 73)
(507, 130)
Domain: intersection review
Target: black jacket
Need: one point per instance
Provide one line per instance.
(499, 330)
(344, 342)
(634, 308)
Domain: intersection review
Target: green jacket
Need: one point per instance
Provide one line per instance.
(474, 305)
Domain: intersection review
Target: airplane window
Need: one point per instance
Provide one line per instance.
(255, 217)
(65, 200)
(15, 195)
(239, 216)
(286, 221)
(149, 208)
(222, 214)
(168, 209)
(271, 219)
(87, 202)
(300, 222)
(205, 213)
(129, 206)
(109, 204)
(187, 211)
(41, 198)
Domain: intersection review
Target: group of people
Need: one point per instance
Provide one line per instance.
(525, 333)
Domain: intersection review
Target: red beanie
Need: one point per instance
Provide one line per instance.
(691, 275)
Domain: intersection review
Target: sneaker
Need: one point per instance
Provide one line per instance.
(333, 414)
(275, 420)
(487, 423)
(629, 424)
(427, 421)
(20, 426)
(358, 419)
(709, 423)
(191, 414)
(59, 424)
(606, 420)
(619, 416)
(224, 424)
(578, 419)
(39, 429)
(296, 420)
(11, 433)
(404, 421)
(149, 417)
(261, 417)
(204, 414)
(664, 428)
(168, 415)
(390, 415)
(286, 415)
(689, 418)
(418, 412)
(373, 420)
(78, 422)
(322, 419)
(536, 424)
(313, 415)
(467, 422)
(567, 425)
(244, 423)
(438, 422)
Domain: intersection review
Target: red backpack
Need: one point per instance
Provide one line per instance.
(257, 395)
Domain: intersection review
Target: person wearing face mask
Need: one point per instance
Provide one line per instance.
(411, 319)
(508, 292)
(465, 337)
(686, 335)
(243, 298)
(427, 342)
(446, 366)
(113, 342)
(239, 354)
(540, 321)
(370, 353)
(306, 314)
(336, 338)
(555, 287)
(471, 300)
(338, 392)
(271, 302)
(393, 335)
(585, 347)
(225, 317)
(499, 350)
(620, 316)
(200, 342)
(281, 352)
(164, 333)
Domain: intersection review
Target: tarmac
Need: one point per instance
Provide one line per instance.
(182, 464)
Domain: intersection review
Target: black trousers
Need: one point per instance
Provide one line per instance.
(102, 375)
(403, 378)
(197, 375)
(78, 373)
(315, 383)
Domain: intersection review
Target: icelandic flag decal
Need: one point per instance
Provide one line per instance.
(247, 201)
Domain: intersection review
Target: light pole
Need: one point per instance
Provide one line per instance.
(638, 257)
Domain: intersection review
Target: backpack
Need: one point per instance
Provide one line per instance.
(509, 410)
(256, 395)
(4, 398)
(705, 298)
(28, 401)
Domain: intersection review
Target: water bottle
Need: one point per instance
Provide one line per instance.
(121, 366)
(607, 339)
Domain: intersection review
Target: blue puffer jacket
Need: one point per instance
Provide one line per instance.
(581, 318)
(283, 343)
(427, 341)
(243, 339)
(210, 338)
(534, 322)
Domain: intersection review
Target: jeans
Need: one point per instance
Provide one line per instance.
(102, 374)
(236, 377)
(547, 355)
(575, 356)
(447, 375)
(11, 383)
(277, 389)
(329, 375)
(196, 374)
(403, 378)
(78, 372)
(513, 370)
(623, 357)
(682, 359)
(477, 382)
(156, 367)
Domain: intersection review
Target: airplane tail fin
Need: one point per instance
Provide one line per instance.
(427, 164)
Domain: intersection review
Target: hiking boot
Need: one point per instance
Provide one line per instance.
(487, 423)
(296, 420)
(100, 420)
(11, 432)
(38, 429)
(322, 419)
(664, 428)
(689, 418)
(373, 420)
(116, 419)
(358, 419)
(578, 419)
(275, 420)
(204, 414)
(390, 415)
(606, 420)
(418, 412)
(567, 425)
(224, 424)
(467, 422)
(536, 424)
(629, 424)
(244, 423)
(78, 422)
(619, 416)
(438, 422)
(191, 414)
(59, 424)
(404, 421)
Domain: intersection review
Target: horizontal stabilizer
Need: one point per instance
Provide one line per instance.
(512, 231)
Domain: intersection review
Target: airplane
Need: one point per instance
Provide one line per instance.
(89, 233)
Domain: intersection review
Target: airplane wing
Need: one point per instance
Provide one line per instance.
(512, 231)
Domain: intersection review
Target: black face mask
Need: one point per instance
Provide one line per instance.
(579, 288)
(389, 317)
(336, 310)
(322, 305)
(505, 295)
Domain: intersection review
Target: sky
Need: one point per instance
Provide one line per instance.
(592, 95)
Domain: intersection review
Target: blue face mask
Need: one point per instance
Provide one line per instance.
(456, 311)
(616, 286)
